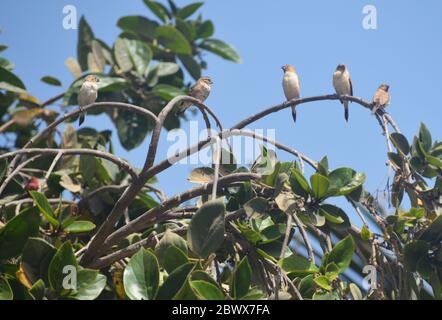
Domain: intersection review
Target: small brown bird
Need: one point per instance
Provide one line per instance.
(381, 98)
(290, 85)
(200, 90)
(342, 84)
(88, 94)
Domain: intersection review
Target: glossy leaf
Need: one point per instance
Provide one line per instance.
(141, 276)
(241, 279)
(206, 229)
(132, 54)
(45, 208)
(90, 284)
(342, 253)
(15, 233)
(173, 39)
(319, 185)
(221, 49)
(61, 264)
(188, 10)
(80, 226)
(206, 290)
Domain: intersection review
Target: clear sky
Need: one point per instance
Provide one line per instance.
(404, 51)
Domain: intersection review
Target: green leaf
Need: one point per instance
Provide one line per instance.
(138, 25)
(206, 290)
(141, 276)
(169, 239)
(425, 137)
(342, 253)
(323, 282)
(205, 30)
(319, 185)
(173, 39)
(5, 290)
(221, 49)
(45, 208)
(90, 284)
(256, 207)
(299, 266)
(188, 10)
(37, 290)
(3, 47)
(167, 68)
(365, 233)
(191, 65)
(15, 233)
(10, 82)
(173, 258)
(80, 226)
(325, 296)
(51, 81)
(57, 268)
(158, 9)
(36, 257)
(344, 180)
(206, 229)
(84, 44)
(132, 54)
(175, 281)
(241, 279)
(167, 92)
(298, 183)
(400, 142)
(333, 214)
(355, 292)
(413, 251)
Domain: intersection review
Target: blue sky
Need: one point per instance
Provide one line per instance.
(404, 51)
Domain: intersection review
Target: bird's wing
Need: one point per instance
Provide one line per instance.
(351, 86)
(193, 90)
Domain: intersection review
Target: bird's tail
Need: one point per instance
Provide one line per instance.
(82, 116)
(346, 114)
(294, 113)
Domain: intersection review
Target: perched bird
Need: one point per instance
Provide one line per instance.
(342, 84)
(381, 98)
(200, 90)
(290, 85)
(88, 94)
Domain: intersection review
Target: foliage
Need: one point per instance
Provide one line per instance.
(271, 231)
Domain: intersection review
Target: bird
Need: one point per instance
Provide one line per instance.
(200, 90)
(88, 94)
(343, 86)
(381, 98)
(290, 85)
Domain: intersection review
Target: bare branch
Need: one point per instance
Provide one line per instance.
(92, 152)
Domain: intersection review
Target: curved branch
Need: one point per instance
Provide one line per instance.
(92, 152)
(74, 113)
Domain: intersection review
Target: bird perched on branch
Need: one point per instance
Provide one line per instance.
(200, 90)
(290, 85)
(342, 84)
(381, 98)
(88, 94)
